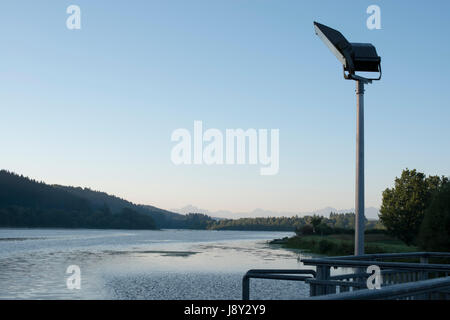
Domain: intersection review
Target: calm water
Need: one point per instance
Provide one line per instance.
(118, 264)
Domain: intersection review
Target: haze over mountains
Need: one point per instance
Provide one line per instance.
(370, 212)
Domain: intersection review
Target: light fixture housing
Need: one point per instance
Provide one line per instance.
(355, 57)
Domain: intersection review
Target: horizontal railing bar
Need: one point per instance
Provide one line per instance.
(384, 272)
(350, 276)
(381, 264)
(394, 255)
(337, 283)
(394, 291)
(277, 277)
(283, 271)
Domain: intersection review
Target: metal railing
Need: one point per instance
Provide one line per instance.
(423, 256)
(394, 274)
(275, 274)
(438, 288)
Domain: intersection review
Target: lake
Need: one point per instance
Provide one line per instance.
(136, 264)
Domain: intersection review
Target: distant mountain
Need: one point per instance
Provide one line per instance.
(370, 212)
(27, 203)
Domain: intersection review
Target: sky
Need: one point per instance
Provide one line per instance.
(96, 107)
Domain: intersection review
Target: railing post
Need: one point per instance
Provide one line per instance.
(424, 276)
(312, 290)
(246, 288)
(323, 273)
(424, 260)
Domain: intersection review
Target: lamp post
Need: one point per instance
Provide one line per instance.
(359, 183)
(354, 57)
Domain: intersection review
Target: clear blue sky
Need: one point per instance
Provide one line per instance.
(96, 107)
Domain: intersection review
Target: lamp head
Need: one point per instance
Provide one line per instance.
(354, 57)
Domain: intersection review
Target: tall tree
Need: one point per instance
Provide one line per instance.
(315, 221)
(403, 207)
(435, 230)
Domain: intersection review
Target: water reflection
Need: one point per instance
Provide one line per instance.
(169, 264)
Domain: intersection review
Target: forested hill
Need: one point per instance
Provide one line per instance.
(28, 203)
(163, 218)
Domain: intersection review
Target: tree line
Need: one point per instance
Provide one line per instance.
(335, 222)
(417, 210)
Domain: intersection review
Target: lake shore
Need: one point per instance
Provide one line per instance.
(343, 244)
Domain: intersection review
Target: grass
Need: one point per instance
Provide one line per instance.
(342, 244)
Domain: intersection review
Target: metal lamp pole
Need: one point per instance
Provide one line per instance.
(359, 192)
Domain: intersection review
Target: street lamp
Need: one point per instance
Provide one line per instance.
(355, 57)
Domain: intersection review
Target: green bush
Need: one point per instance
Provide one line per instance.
(325, 246)
(304, 230)
(435, 229)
